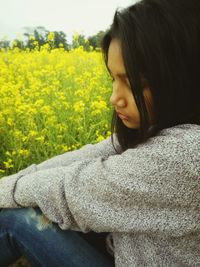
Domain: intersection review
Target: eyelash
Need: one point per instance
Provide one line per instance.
(124, 81)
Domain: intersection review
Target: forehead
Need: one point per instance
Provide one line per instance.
(115, 60)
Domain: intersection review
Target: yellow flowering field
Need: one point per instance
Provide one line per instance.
(51, 102)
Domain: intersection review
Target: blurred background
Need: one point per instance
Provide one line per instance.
(88, 17)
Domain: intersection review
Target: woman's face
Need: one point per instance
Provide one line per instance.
(122, 98)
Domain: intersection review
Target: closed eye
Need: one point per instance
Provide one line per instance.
(126, 81)
(123, 79)
(112, 78)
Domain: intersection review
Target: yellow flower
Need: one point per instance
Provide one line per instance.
(100, 105)
(24, 152)
(8, 164)
(65, 148)
(10, 121)
(108, 133)
(48, 102)
(51, 36)
(79, 106)
(40, 139)
(70, 70)
(8, 153)
(52, 120)
(100, 138)
(31, 38)
(32, 133)
(39, 103)
(46, 110)
(18, 134)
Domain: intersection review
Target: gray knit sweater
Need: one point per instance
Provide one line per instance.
(147, 197)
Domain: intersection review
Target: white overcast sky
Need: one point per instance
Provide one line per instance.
(84, 16)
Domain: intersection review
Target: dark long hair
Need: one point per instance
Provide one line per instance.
(160, 39)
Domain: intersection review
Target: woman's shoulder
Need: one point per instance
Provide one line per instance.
(182, 129)
(176, 143)
(182, 134)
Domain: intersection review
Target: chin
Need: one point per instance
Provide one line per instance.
(131, 125)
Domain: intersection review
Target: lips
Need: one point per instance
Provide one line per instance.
(123, 117)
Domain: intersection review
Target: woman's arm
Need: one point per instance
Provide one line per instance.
(102, 149)
(153, 187)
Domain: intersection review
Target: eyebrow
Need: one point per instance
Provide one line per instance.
(120, 75)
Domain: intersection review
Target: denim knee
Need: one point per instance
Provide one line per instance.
(22, 217)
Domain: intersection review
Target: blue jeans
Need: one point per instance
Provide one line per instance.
(28, 232)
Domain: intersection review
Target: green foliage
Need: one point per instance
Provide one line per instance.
(36, 38)
(95, 40)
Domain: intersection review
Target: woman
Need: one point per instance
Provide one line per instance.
(138, 190)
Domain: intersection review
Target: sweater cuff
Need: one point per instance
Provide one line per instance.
(7, 188)
(8, 185)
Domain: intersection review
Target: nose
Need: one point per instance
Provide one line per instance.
(117, 99)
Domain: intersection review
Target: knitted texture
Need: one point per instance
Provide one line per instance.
(147, 197)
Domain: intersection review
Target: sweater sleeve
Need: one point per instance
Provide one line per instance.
(151, 188)
(90, 151)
